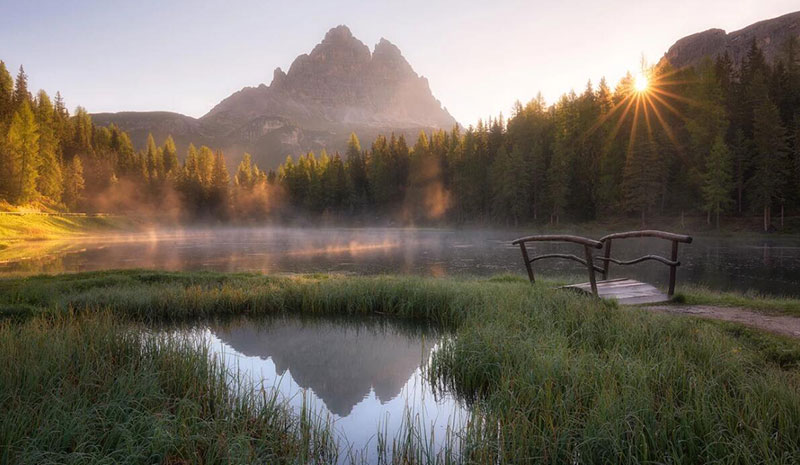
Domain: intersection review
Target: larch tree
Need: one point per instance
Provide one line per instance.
(23, 147)
(73, 183)
(244, 178)
(169, 158)
(6, 97)
(50, 180)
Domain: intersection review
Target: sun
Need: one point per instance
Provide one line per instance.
(640, 83)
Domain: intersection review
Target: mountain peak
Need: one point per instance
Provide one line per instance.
(770, 35)
(340, 32)
(338, 88)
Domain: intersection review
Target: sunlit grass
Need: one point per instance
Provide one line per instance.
(554, 376)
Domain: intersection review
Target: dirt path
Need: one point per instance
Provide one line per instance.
(779, 324)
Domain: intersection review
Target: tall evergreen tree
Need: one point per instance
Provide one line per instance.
(73, 182)
(21, 93)
(50, 180)
(6, 98)
(170, 157)
(718, 180)
(770, 164)
(23, 156)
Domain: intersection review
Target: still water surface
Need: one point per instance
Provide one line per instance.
(364, 375)
(766, 264)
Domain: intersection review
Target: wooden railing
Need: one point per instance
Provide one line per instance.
(588, 245)
(672, 262)
(605, 242)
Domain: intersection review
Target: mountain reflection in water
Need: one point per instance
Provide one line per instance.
(365, 375)
(341, 362)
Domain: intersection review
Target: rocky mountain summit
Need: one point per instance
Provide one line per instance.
(339, 87)
(770, 35)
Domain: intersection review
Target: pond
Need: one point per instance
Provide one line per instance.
(769, 264)
(366, 376)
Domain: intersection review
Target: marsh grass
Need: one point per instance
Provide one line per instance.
(551, 377)
(93, 389)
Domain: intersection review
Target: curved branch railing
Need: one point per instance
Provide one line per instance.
(588, 245)
(672, 262)
(604, 242)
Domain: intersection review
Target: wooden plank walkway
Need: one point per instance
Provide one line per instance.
(625, 291)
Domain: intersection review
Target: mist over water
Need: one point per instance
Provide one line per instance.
(769, 265)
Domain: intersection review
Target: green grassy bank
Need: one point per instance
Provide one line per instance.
(42, 226)
(553, 377)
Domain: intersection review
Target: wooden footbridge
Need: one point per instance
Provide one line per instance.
(626, 291)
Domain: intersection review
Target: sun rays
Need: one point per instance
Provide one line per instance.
(648, 101)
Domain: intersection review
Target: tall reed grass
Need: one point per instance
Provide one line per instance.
(552, 377)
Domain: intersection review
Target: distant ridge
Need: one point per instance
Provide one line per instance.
(337, 88)
(770, 36)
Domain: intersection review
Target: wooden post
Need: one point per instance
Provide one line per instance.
(606, 263)
(590, 266)
(528, 264)
(673, 268)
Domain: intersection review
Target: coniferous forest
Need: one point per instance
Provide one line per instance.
(719, 140)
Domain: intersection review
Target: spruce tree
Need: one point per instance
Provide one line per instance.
(718, 180)
(21, 93)
(770, 164)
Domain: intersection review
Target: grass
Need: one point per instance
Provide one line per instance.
(36, 226)
(553, 377)
(92, 389)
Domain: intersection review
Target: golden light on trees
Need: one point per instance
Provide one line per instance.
(648, 101)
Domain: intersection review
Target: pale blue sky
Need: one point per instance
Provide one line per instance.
(479, 56)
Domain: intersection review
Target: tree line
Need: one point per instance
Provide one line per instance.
(717, 139)
(721, 138)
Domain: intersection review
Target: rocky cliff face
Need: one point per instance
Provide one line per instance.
(770, 35)
(341, 86)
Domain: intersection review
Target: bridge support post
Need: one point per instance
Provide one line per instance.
(528, 264)
(606, 262)
(590, 267)
(673, 268)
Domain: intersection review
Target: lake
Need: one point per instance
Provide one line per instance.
(760, 263)
(364, 376)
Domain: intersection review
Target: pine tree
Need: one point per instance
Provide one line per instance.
(23, 162)
(718, 180)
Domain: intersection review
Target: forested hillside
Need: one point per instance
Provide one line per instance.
(719, 139)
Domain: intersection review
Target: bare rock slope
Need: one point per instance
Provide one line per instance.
(770, 36)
